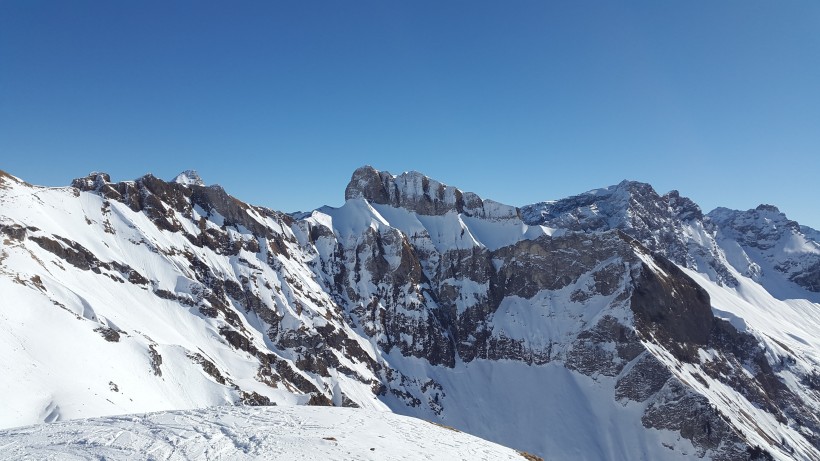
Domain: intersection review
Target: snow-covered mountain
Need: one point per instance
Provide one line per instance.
(616, 324)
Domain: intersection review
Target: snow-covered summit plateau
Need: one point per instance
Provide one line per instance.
(617, 324)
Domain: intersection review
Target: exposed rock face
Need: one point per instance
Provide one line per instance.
(677, 408)
(414, 290)
(415, 192)
(647, 376)
(671, 308)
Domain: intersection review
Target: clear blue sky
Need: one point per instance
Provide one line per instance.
(519, 101)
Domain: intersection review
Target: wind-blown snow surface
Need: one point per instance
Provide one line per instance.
(514, 325)
(249, 433)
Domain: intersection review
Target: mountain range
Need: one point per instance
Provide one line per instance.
(616, 324)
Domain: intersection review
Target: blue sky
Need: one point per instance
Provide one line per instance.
(518, 101)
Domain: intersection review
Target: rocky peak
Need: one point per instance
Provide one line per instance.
(640, 212)
(769, 208)
(418, 193)
(683, 207)
(367, 183)
(189, 178)
(627, 205)
(636, 188)
(763, 233)
(93, 181)
(761, 225)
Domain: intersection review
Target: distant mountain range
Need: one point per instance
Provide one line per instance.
(617, 324)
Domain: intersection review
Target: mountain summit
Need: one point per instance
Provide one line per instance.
(189, 178)
(617, 324)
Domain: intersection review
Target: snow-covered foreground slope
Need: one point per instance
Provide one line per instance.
(249, 433)
(618, 324)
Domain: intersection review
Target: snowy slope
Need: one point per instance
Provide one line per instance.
(248, 433)
(105, 313)
(788, 330)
